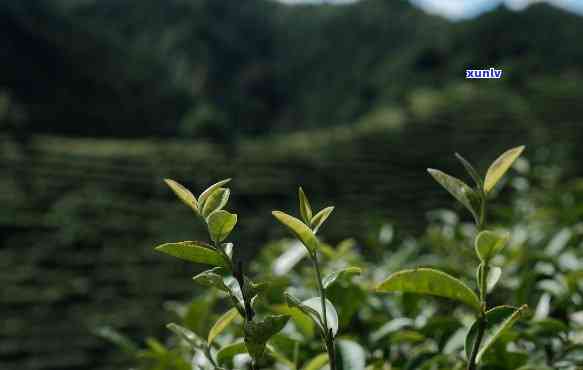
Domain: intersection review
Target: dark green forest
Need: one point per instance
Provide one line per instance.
(214, 69)
(100, 100)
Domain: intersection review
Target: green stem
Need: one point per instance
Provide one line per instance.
(328, 335)
(472, 365)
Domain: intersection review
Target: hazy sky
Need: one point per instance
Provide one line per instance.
(457, 9)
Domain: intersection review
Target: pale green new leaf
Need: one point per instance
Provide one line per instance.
(315, 304)
(499, 319)
(220, 224)
(193, 251)
(457, 188)
(345, 273)
(211, 278)
(229, 351)
(470, 170)
(499, 167)
(317, 362)
(494, 274)
(183, 194)
(304, 323)
(432, 282)
(352, 355)
(222, 323)
(186, 334)
(305, 207)
(216, 201)
(205, 194)
(489, 243)
(313, 309)
(320, 217)
(299, 229)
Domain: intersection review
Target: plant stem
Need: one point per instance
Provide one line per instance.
(328, 335)
(472, 365)
(482, 285)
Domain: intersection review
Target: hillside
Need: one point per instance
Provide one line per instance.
(214, 69)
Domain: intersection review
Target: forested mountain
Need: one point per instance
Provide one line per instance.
(207, 68)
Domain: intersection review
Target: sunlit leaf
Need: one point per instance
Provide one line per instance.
(186, 334)
(489, 243)
(229, 351)
(352, 355)
(216, 201)
(457, 188)
(432, 282)
(299, 229)
(499, 319)
(320, 217)
(183, 193)
(494, 273)
(499, 167)
(211, 278)
(315, 304)
(305, 207)
(205, 194)
(222, 323)
(345, 273)
(220, 224)
(317, 362)
(193, 251)
(304, 323)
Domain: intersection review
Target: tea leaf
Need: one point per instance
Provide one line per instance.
(194, 251)
(205, 194)
(470, 170)
(229, 351)
(183, 193)
(489, 243)
(317, 362)
(457, 188)
(320, 217)
(299, 229)
(216, 201)
(211, 278)
(499, 167)
(186, 334)
(494, 273)
(352, 355)
(432, 282)
(499, 319)
(315, 307)
(304, 324)
(222, 323)
(345, 273)
(257, 333)
(220, 224)
(305, 208)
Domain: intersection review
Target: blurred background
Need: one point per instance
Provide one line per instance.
(100, 100)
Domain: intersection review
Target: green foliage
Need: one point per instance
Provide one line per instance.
(487, 245)
(284, 313)
(430, 281)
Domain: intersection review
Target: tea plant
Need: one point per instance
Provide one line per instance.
(491, 323)
(319, 309)
(227, 276)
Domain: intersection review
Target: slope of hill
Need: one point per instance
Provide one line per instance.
(218, 68)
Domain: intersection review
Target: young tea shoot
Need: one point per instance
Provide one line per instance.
(319, 309)
(225, 275)
(491, 323)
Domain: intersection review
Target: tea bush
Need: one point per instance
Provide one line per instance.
(524, 309)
